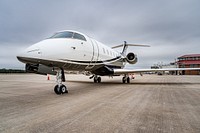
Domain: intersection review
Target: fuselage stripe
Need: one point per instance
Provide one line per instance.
(117, 58)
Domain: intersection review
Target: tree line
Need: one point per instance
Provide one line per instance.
(12, 71)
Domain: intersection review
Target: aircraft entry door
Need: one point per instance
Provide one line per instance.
(95, 56)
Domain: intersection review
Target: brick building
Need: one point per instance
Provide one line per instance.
(189, 61)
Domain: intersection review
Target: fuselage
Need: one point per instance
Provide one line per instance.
(72, 50)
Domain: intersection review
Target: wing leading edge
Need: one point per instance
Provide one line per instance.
(127, 71)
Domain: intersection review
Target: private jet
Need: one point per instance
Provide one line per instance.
(73, 51)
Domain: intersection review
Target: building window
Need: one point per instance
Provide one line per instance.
(182, 66)
(193, 65)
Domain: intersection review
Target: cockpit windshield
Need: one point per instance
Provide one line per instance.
(67, 34)
(63, 35)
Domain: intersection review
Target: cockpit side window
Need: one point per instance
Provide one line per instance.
(63, 35)
(79, 36)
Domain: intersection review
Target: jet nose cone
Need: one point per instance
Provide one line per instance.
(21, 54)
(28, 54)
(20, 58)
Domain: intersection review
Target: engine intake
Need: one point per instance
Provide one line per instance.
(131, 58)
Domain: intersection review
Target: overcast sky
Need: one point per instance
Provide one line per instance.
(171, 27)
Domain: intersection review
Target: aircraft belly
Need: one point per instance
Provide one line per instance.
(67, 65)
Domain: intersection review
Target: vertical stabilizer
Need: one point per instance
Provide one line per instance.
(124, 50)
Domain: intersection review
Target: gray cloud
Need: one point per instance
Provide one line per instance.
(172, 28)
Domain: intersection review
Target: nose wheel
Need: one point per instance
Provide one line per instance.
(60, 88)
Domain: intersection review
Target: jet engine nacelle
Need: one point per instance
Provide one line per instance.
(131, 58)
(39, 69)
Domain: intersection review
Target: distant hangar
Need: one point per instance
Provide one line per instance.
(189, 61)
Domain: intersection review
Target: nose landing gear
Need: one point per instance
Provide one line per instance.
(60, 88)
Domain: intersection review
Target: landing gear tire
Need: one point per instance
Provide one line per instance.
(60, 90)
(63, 89)
(95, 80)
(99, 79)
(124, 80)
(128, 80)
(57, 90)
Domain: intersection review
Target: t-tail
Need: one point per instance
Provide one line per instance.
(131, 58)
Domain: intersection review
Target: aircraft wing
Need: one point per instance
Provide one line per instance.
(127, 71)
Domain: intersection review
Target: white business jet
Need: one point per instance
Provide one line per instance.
(73, 51)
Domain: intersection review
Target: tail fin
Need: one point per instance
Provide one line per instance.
(125, 46)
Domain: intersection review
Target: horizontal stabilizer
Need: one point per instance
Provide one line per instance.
(125, 46)
(137, 45)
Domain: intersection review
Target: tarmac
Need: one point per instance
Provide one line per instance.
(150, 103)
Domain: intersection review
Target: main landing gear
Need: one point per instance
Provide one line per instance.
(126, 79)
(60, 88)
(97, 79)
